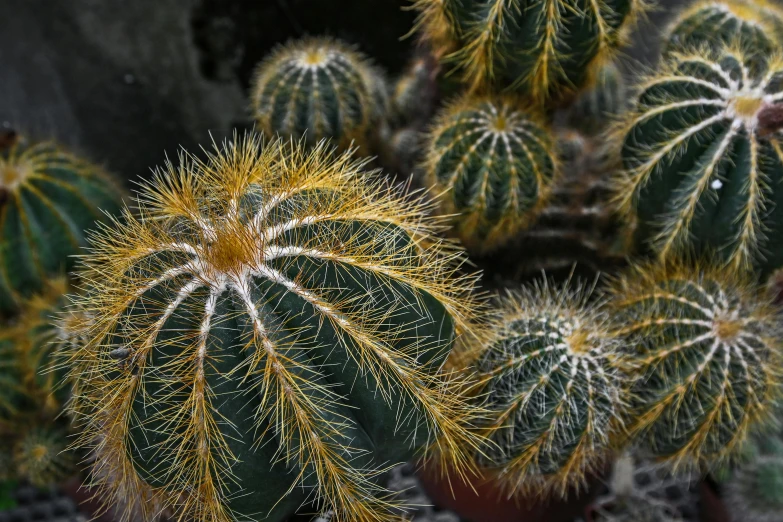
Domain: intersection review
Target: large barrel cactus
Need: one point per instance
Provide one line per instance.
(271, 329)
(702, 158)
(48, 197)
(705, 353)
(544, 48)
(755, 24)
(550, 382)
(319, 88)
(494, 162)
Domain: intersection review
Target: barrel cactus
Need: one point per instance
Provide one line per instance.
(754, 493)
(544, 48)
(549, 380)
(755, 24)
(48, 198)
(270, 330)
(319, 88)
(595, 107)
(702, 159)
(704, 350)
(494, 163)
(41, 456)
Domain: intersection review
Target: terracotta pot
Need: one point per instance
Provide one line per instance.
(488, 503)
(711, 507)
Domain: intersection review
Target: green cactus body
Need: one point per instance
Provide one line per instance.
(41, 457)
(704, 351)
(272, 331)
(756, 24)
(319, 88)
(597, 105)
(754, 493)
(494, 162)
(544, 48)
(47, 199)
(702, 159)
(552, 390)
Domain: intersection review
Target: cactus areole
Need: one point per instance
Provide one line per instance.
(703, 158)
(270, 330)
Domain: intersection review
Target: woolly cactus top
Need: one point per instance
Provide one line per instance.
(705, 350)
(703, 158)
(550, 382)
(269, 293)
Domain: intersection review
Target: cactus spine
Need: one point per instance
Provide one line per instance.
(705, 352)
(48, 197)
(494, 162)
(271, 329)
(702, 158)
(756, 24)
(549, 380)
(319, 88)
(545, 48)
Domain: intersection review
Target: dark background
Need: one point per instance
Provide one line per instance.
(126, 82)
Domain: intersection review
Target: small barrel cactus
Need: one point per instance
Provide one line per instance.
(319, 88)
(702, 159)
(754, 492)
(705, 353)
(494, 163)
(550, 383)
(595, 107)
(48, 197)
(270, 330)
(414, 92)
(756, 24)
(544, 48)
(41, 456)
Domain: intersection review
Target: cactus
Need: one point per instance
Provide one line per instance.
(754, 493)
(495, 163)
(41, 457)
(704, 351)
(319, 88)
(702, 159)
(756, 24)
(414, 92)
(544, 48)
(550, 383)
(48, 197)
(270, 330)
(595, 107)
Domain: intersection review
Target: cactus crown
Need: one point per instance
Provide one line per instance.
(495, 162)
(550, 383)
(756, 23)
(318, 88)
(705, 352)
(41, 457)
(279, 286)
(530, 45)
(702, 157)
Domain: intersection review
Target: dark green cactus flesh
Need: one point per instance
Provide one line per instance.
(272, 337)
(545, 48)
(494, 163)
(705, 353)
(549, 381)
(757, 25)
(319, 88)
(702, 158)
(48, 198)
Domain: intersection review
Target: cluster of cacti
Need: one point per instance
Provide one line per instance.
(319, 88)
(549, 380)
(270, 330)
(545, 48)
(493, 164)
(48, 198)
(704, 352)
